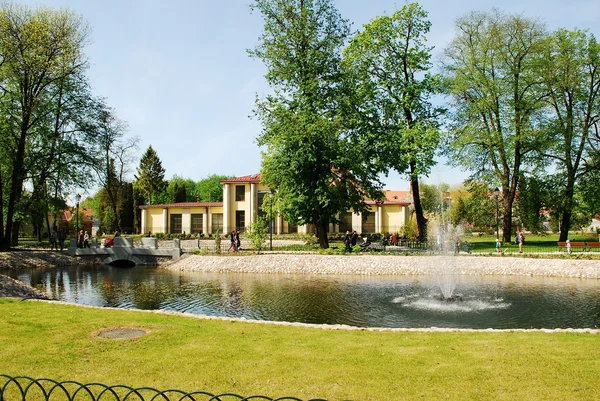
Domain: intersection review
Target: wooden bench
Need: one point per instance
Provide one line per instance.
(593, 245)
(574, 245)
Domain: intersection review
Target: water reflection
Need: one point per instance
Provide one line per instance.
(482, 302)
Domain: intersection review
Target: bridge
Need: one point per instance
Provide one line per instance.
(124, 253)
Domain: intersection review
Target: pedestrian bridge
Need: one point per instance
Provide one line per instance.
(124, 253)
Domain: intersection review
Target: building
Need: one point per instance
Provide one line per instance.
(242, 204)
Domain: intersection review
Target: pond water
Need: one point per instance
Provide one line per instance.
(392, 301)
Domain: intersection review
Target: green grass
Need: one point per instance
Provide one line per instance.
(58, 341)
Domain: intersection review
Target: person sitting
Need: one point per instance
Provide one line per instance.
(366, 242)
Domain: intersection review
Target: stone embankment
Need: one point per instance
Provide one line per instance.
(372, 265)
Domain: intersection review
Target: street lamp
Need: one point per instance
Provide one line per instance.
(271, 228)
(78, 197)
(496, 193)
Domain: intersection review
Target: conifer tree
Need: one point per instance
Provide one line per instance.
(150, 175)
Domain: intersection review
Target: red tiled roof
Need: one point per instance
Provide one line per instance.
(184, 204)
(253, 178)
(394, 198)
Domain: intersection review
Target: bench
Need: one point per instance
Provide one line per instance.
(574, 245)
(593, 245)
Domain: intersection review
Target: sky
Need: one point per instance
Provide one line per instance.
(178, 73)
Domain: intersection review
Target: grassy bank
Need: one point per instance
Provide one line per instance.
(58, 341)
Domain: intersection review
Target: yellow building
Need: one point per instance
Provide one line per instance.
(242, 201)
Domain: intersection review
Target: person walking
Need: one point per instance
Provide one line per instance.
(80, 239)
(86, 240)
(62, 236)
(521, 241)
(53, 240)
(347, 241)
(232, 242)
(238, 242)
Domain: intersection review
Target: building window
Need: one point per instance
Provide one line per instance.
(368, 222)
(175, 226)
(217, 223)
(240, 192)
(197, 220)
(292, 229)
(345, 222)
(240, 220)
(261, 199)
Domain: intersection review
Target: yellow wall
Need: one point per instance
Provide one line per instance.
(392, 218)
(154, 220)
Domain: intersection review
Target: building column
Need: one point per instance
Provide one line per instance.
(143, 217)
(205, 222)
(253, 209)
(186, 221)
(357, 222)
(378, 220)
(227, 226)
(165, 222)
(279, 220)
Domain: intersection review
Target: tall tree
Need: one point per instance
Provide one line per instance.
(570, 70)
(390, 63)
(309, 164)
(38, 49)
(150, 175)
(495, 84)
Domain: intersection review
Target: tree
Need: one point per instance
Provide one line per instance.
(150, 174)
(257, 233)
(209, 189)
(570, 71)
(492, 69)
(391, 96)
(309, 164)
(38, 50)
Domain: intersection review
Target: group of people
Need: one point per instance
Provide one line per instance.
(83, 239)
(350, 239)
(234, 238)
(57, 239)
(519, 240)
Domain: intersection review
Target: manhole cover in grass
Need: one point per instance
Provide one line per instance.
(118, 333)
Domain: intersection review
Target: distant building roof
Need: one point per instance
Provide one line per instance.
(394, 198)
(183, 204)
(253, 178)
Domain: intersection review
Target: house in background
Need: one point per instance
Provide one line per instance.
(242, 204)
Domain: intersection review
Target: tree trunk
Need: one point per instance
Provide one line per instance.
(322, 230)
(507, 216)
(421, 220)
(565, 223)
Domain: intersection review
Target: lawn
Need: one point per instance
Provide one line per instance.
(58, 341)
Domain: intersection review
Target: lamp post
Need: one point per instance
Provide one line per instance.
(496, 193)
(78, 198)
(271, 228)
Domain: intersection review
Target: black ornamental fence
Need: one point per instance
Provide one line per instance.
(21, 388)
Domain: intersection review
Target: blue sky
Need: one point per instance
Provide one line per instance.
(178, 73)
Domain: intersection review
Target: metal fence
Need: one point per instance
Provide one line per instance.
(26, 389)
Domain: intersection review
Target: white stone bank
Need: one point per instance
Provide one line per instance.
(372, 265)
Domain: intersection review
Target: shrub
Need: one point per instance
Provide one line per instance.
(257, 233)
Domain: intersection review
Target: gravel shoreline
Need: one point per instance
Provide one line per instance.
(373, 265)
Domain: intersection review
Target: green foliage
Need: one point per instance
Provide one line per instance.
(309, 164)
(388, 65)
(150, 174)
(257, 233)
(209, 189)
(492, 74)
(41, 77)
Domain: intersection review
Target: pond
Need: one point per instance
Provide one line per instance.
(500, 302)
